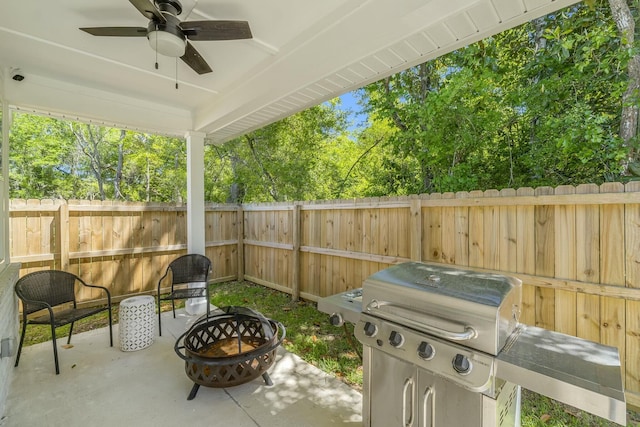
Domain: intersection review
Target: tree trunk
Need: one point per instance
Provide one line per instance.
(116, 183)
(89, 144)
(270, 181)
(625, 22)
(148, 178)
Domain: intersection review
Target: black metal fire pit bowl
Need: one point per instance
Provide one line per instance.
(230, 346)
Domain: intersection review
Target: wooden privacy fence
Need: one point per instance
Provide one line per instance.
(576, 249)
(124, 246)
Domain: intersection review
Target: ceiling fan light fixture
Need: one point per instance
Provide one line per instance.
(167, 44)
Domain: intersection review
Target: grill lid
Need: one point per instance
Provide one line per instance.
(479, 310)
(455, 283)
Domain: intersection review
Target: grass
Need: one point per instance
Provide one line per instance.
(309, 334)
(335, 350)
(541, 411)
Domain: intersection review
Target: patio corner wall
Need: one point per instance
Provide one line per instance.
(8, 330)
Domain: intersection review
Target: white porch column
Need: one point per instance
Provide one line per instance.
(7, 118)
(195, 208)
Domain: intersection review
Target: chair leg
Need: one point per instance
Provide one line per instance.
(159, 317)
(70, 332)
(55, 347)
(24, 329)
(208, 303)
(110, 328)
(173, 307)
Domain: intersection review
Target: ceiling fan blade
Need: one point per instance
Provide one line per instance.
(194, 60)
(148, 9)
(216, 30)
(116, 31)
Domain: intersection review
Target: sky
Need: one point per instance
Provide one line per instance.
(356, 118)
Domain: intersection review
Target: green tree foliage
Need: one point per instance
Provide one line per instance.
(535, 105)
(297, 158)
(42, 162)
(51, 158)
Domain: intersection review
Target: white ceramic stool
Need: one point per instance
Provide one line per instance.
(137, 325)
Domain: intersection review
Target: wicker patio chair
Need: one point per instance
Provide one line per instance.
(44, 290)
(186, 270)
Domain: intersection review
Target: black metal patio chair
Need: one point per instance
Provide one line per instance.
(186, 270)
(48, 289)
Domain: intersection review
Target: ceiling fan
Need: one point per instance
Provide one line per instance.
(170, 37)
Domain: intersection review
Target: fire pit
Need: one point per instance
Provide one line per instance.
(230, 346)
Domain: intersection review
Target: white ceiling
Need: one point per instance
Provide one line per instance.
(303, 52)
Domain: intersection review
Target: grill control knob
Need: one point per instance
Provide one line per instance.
(336, 319)
(461, 364)
(426, 351)
(370, 329)
(396, 339)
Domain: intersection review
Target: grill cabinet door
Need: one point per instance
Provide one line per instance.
(402, 395)
(392, 384)
(442, 403)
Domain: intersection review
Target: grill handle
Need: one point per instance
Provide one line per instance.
(404, 315)
(408, 385)
(428, 394)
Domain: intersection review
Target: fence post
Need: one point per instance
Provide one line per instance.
(295, 259)
(240, 231)
(415, 228)
(62, 237)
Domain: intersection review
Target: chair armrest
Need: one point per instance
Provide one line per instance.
(100, 287)
(166, 273)
(42, 304)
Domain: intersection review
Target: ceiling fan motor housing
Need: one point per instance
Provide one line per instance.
(173, 7)
(166, 37)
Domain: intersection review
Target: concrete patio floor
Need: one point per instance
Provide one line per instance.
(100, 385)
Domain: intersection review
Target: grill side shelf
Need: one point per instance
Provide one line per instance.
(578, 372)
(348, 308)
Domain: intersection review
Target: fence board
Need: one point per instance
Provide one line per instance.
(565, 263)
(383, 233)
(632, 239)
(545, 260)
(373, 234)
(588, 316)
(612, 257)
(33, 229)
(432, 246)
(526, 255)
(448, 255)
(461, 236)
(587, 231)
(633, 347)
(508, 248)
(47, 217)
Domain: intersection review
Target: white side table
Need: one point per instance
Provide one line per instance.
(137, 325)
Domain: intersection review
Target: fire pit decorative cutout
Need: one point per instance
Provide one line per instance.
(229, 347)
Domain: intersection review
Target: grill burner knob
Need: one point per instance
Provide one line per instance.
(370, 329)
(461, 364)
(426, 351)
(336, 319)
(396, 339)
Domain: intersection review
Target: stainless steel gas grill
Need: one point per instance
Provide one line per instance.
(443, 346)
